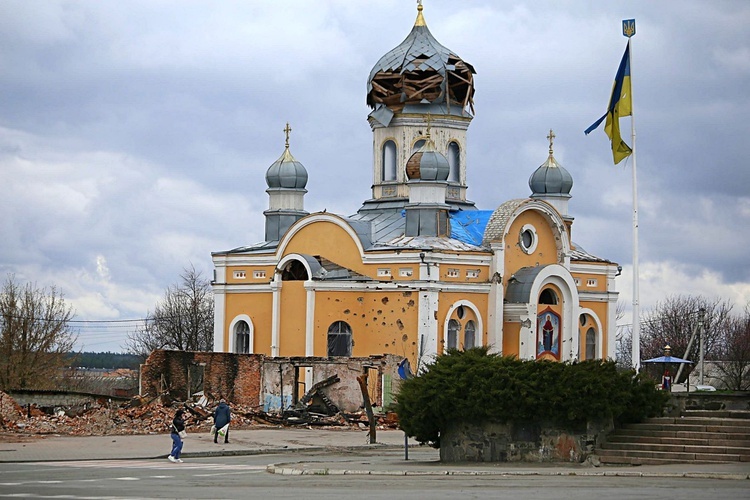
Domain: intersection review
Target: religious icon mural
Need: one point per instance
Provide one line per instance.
(548, 333)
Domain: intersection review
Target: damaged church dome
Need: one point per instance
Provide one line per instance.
(421, 71)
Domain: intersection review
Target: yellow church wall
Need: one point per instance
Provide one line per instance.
(258, 307)
(381, 321)
(462, 273)
(292, 316)
(249, 274)
(511, 336)
(585, 283)
(329, 241)
(546, 250)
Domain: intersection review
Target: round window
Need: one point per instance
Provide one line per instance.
(528, 239)
(583, 320)
(460, 312)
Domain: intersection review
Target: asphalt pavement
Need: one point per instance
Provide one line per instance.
(327, 451)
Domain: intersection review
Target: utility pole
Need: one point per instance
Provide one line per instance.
(701, 319)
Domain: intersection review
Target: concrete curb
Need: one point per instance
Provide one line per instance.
(293, 471)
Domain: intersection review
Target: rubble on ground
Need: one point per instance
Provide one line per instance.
(153, 415)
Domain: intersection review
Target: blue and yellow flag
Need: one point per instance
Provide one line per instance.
(620, 104)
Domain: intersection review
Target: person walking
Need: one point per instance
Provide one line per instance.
(222, 417)
(178, 430)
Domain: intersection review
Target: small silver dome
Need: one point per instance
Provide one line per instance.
(551, 178)
(286, 172)
(428, 164)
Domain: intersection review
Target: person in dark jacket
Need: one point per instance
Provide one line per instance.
(178, 425)
(222, 417)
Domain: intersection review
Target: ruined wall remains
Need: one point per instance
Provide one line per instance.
(177, 375)
(491, 442)
(270, 384)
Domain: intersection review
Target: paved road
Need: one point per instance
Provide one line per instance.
(324, 463)
(246, 477)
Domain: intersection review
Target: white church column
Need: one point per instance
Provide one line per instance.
(219, 319)
(310, 318)
(428, 325)
(495, 300)
(219, 290)
(275, 314)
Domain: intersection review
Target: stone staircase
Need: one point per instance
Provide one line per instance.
(698, 436)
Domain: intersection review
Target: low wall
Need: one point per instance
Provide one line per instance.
(491, 442)
(681, 401)
(58, 398)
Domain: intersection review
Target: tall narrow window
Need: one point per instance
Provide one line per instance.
(418, 145)
(339, 339)
(242, 337)
(453, 327)
(454, 160)
(470, 335)
(389, 161)
(590, 343)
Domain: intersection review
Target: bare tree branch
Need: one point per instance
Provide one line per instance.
(35, 335)
(182, 320)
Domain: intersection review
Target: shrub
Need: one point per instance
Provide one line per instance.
(476, 386)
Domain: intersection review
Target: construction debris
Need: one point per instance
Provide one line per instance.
(148, 415)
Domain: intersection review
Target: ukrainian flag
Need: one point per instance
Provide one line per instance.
(620, 104)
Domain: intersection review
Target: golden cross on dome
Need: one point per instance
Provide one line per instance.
(551, 138)
(429, 121)
(287, 129)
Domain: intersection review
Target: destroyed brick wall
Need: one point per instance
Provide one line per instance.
(270, 384)
(235, 377)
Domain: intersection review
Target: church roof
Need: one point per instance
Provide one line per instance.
(577, 253)
(499, 219)
(520, 283)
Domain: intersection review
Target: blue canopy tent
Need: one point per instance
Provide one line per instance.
(666, 359)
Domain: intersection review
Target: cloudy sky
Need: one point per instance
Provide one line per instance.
(134, 136)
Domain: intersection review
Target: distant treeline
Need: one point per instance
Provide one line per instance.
(109, 360)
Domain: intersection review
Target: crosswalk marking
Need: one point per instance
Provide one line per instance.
(150, 464)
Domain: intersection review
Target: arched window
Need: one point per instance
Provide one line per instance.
(339, 339)
(389, 161)
(548, 296)
(453, 328)
(417, 145)
(590, 343)
(454, 160)
(470, 335)
(294, 271)
(242, 337)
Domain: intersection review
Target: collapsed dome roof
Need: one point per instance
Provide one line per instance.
(419, 71)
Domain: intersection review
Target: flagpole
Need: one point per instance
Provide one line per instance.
(636, 298)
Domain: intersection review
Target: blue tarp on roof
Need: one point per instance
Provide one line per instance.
(468, 225)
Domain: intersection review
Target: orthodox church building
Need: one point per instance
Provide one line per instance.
(418, 269)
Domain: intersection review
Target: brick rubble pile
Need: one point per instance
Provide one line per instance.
(140, 416)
